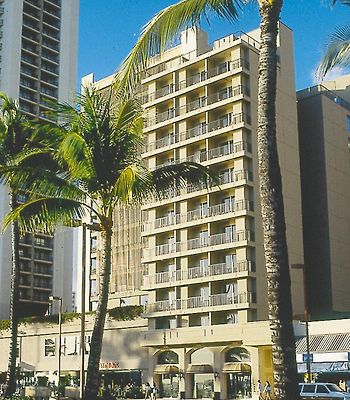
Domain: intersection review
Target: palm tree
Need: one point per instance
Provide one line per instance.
(14, 137)
(337, 49)
(97, 146)
(155, 37)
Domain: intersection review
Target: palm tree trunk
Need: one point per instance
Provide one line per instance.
(14, 300)
(274, 228)
(92, 379)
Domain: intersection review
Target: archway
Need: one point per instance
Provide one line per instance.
(237, 369)
(168, 370)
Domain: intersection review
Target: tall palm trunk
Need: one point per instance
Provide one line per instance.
(275, 242)
(92, 379)
(14, 300)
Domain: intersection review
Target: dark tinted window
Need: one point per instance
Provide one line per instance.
(322, 389)
(333, 388)
(309, 388)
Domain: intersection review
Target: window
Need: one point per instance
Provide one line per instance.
(71, 345)
(322, 389)
(50, 347)
(348, 123)
(93, 287)
(309, 388)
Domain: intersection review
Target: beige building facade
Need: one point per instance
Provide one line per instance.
(324, 129)
(204, 284)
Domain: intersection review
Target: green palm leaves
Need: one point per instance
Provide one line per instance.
(158, 33)
(96, 153)
(90, 161)
(337, 49)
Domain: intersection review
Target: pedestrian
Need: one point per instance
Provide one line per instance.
(267, 390)
(260, 389)
(148, 391)
(154, 392)
(342, 385)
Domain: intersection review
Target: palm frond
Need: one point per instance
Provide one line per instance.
(337, 51)
(44, 214)
(133, 181)
(77, 154)
(161, 30)
(180, 175)
(346, 2)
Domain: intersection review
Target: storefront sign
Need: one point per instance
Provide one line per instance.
(109, 365)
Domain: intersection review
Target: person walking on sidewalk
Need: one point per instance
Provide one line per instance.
(267, 390)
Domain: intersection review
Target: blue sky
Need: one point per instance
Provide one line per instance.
(109, 28)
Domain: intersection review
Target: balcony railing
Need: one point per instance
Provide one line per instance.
(199, 214)
(178, 61)
(221, 95)
(198, 272)
(197, 243)
(224, 178)
(194, 79)
(229, 120)
(214, 300)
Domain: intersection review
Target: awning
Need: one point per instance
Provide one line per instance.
(235, 367)
(331, 342)
(199, 369)
(166, 369)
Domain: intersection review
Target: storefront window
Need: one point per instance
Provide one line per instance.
(239, 385)
(203, 386)
(169, 386)
(238, 373)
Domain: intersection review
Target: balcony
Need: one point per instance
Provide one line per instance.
(198, 214)
(171, 249)
(176, 62)
(229, 121)
(237, 178)
(193, 303)
(197, 273)
(200, 77)
(171, 113)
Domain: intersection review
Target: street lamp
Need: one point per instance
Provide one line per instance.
(306, 318)
(59, 299)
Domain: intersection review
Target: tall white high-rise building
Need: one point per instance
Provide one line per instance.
(38, 60)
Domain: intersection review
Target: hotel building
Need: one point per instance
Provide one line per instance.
(202, 249)
(38, 60)
(324, 136)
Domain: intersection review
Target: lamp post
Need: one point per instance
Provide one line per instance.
(306, 318)
(59, 299)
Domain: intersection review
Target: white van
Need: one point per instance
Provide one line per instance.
(322, 391)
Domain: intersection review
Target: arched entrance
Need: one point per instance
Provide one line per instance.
(238, 373)
(201, 366)
(168, 370)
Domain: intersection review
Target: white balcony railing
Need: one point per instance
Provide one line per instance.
(230, 120)
(215, 300)
(224, 94)
(198, 272)
(196, 243)
(194, 79)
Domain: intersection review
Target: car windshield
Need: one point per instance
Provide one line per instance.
(333, 388)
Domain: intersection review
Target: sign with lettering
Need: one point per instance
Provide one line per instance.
(109, 365)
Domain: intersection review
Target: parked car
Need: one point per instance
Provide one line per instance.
(322, 391)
